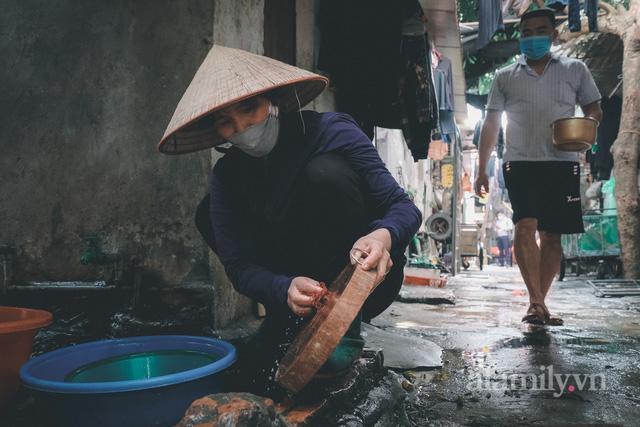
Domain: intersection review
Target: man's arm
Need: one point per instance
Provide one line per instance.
(488, 139)
(588, 95)
(593, 110)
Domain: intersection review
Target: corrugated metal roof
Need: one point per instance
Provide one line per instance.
(602, 52)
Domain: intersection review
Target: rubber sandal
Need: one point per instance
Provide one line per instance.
(554, 321)
(535, 314)
(551, 321)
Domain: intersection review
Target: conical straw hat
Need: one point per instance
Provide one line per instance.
(227, 76)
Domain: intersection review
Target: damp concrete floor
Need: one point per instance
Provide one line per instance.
(489, 369)
(498, 371)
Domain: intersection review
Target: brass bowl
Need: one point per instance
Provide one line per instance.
(574, 133)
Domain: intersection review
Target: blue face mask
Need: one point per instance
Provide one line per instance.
(535, 47)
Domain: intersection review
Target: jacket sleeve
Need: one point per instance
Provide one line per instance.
(401, 216)
(233, 246)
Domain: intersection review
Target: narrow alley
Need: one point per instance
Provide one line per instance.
(301, 213)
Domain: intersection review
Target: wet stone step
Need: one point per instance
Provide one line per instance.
(426, 295)
(401, 351)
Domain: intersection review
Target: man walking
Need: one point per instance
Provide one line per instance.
(543, 182)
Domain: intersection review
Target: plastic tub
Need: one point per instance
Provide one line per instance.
(141, 381)
(18, 327)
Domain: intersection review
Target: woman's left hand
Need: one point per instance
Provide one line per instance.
(374, 249)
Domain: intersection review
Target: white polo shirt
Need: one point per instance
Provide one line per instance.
(532, 102)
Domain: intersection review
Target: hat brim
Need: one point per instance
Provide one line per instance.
(199, 133)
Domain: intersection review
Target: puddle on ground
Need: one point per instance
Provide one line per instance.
(528, 339)
(543, 339)
(631, 379)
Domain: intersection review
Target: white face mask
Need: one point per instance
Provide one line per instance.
(258, 140)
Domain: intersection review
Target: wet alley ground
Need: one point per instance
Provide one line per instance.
(498, 371)
(495, 370)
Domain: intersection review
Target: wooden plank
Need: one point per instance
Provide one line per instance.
(316, 341)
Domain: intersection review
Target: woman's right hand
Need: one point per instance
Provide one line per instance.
(302, 295)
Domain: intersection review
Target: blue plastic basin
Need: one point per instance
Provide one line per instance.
(141, 381)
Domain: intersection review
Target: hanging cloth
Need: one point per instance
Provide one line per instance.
(443, 76)
(607, 134)
(363, 64)
(417, 98)
(489, 20)
(444, 83)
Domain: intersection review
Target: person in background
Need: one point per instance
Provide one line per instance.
(543, 182)
(503, 228)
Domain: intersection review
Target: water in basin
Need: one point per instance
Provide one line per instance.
(141, 366)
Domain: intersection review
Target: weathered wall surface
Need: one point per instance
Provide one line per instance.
(238, 24)
(87, 88)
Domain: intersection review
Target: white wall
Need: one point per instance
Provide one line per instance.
(411, 175)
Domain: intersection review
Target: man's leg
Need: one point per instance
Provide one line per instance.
(591, 10)
(562, 214)
(527, 255)
(550, 257)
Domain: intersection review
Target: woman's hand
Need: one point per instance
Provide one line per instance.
(303, 293)
(375, 248)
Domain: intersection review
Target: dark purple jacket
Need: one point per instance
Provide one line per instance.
(236, 174)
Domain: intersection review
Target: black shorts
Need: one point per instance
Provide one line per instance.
(547, 191)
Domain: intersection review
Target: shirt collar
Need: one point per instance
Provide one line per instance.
(522, 60)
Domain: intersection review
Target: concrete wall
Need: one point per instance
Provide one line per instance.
(239, 24)
(87, 90)
(307, 48)
(232, 18)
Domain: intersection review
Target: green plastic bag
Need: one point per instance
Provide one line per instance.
(608, 193)
(600, 236)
